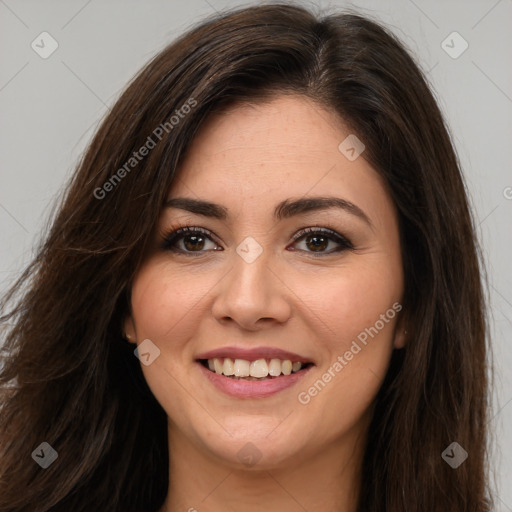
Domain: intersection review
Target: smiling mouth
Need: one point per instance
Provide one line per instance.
(258, 370)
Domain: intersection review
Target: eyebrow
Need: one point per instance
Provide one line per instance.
(284, 210)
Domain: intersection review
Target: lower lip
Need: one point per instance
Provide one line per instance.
(252, 388)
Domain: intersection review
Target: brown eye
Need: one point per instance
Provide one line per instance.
(317, 240)
(191, 239)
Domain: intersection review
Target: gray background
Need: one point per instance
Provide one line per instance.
(51, 107)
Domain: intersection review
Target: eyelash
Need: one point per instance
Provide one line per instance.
(177, 233)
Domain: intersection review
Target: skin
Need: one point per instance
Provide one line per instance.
(248, 159)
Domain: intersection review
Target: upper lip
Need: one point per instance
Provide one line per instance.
(252, 354)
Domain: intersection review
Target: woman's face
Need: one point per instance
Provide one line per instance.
(244, 289)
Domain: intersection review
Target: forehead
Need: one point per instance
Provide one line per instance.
(284, 130)
(265, 153)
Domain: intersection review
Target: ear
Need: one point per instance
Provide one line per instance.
(129, 330)
(401, 336)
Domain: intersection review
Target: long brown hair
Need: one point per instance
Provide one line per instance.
(71, 381)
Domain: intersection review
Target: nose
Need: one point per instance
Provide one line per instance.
(252, 295)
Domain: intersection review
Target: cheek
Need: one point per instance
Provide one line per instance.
(343, 302)
(163, 300)
(355, 313)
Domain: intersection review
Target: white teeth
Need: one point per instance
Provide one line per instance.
(274, 368)
(241, 368)
(286, 367)
(296, 366)
(217, 366)
(228, 368)
(260, 368)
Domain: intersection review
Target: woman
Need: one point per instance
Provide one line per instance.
(261, 291)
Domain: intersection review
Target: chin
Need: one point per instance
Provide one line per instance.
(257, 449)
